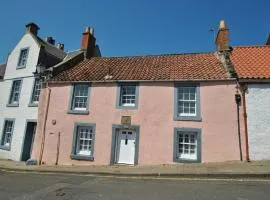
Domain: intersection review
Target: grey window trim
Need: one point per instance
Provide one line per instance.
(118, 93)
(31, 103)
(175, 145)
(23, 66)
(73, 154)
(70, 104)
(198, 102)
(9, 104)
(2, 136)
(115, 132)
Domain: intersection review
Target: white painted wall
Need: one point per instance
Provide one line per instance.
(258, 119)
(23, 112)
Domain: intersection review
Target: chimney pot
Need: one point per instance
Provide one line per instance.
(60, 46)
(50, 40)
(222, 24)
(222, 38)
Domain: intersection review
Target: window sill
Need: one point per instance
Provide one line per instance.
(33, 105)
(12, 105)
(127, 107)
(21, 67)
(80, 157)
(187, 118)
(78, 112)
(7, 148)
(179, 160)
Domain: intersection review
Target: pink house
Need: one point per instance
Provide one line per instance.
(144, 110)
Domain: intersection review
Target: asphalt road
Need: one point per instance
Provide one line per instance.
(29, 186)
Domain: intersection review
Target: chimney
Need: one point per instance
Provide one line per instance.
(32, 28)
(88, 42)
(268, 40)
(222, 39)
(60, 46)
(50, 40)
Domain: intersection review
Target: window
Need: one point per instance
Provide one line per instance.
(79, 102)
(187, 145)
(83, 142)
(36, 92)
(187, 102)
(127, 96)
(23, 58)
(15, 93)
(7, 134)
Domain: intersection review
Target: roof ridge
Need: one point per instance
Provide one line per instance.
(252, 46)
(155, 55)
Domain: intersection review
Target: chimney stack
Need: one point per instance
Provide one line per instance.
(268, 40)
(222, 38)
(60, 46)
(88, 42)
(50, 40)
(32, 28)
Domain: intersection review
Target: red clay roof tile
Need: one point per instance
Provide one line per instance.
(196, 66)
(251, 62)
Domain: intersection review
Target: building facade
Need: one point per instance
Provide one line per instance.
(20, 92)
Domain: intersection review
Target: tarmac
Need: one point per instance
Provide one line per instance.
(222, 170)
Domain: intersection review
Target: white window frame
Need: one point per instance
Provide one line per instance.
(73, 108)
(7, 134)
(182, 147)
(36, 92)
(80, 141)
(15, 90)
(131, 99)
(23, 58)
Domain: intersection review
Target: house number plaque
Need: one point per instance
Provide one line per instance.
(126, 120)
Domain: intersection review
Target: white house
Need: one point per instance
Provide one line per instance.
(252, 64)
(20, 92)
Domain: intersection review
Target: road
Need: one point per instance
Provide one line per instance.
(29, 186)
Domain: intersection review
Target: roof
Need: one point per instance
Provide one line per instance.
(195, 66)
(2, 70)
(251, 62)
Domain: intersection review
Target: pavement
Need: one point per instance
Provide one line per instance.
(223, 170)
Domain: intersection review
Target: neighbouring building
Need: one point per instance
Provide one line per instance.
(252, 64)
(145, 110)
(20, 90)
(2, 71)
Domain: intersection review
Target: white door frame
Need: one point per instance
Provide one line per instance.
(116, 131)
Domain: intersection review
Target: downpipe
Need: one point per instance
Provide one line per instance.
(238, 103)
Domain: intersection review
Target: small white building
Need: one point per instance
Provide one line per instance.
(20, 92)
(252, 64)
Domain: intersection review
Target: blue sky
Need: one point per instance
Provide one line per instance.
(136, 27)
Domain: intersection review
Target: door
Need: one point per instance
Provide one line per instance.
(126, 147)
(28, 140)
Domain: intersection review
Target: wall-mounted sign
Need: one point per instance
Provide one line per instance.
(126, 120)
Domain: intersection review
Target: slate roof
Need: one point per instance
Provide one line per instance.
(193, 66)
(2, 70)
(251, 62)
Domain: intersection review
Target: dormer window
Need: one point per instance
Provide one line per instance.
(23, 58)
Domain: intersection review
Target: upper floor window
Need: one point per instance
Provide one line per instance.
(127, 96)
(35, 92)
(7, 134)
(187, 102)
(15, 93)
(79, 99)
(23, 58)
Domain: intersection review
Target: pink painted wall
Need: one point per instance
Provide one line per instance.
(155, 117)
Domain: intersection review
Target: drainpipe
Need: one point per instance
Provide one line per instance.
(244, 89)
(238, 102)
(44, 123)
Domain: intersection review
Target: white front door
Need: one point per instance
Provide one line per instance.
(126, 147)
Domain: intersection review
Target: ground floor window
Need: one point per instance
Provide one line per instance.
(187, 145)
(7, 134)
(83, 142)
